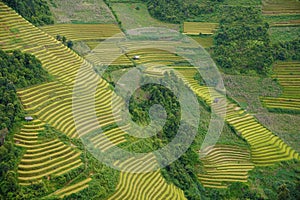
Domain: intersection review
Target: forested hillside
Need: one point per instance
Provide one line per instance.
(176, 11)
(242, 42)
(35, 11)
(17, 70)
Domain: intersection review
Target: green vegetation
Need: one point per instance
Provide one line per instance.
(17, 70)
(9, 156)
(268, 181)
(242, 42)
(35, 11)
(58, 177)
(150, 95)
(199, 28)
(176, 11)
(279, 7)
(63, 39)
(284, 34)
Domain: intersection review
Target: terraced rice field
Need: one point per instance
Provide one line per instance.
(204, 42)
(288, 76)
(196, 28)
(115, 136)
(43, 158)
(52, 102)
(142, 186)
(151, 55)
(79, 32)
(225, 164)
(104, 53)
(286, 23)
(70, 189)
(266, 148)
(277, 7)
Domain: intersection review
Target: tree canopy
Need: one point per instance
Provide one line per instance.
(242, 43)
(35, 11)
(175, 11)
(17, 70)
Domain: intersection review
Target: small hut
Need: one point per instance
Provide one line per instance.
(28, 118)
(136, 57)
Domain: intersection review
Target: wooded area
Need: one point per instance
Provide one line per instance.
(35, 11)
(17, 70)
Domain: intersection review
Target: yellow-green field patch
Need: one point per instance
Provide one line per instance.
(196, 28)
(78, 32)
(278, 7)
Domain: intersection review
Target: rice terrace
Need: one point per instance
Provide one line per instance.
(150, 99)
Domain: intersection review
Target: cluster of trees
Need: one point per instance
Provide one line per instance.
(8, 180)
(149, 95)
(63, 39)
(175, 11)
(35, 11)
(242, 43)
(286, 50)
(17, 70)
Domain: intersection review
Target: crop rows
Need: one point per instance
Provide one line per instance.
(196, 28)
(115, 137)
(70, 189)
(147, 185)
(277, 7)
(57, 110)
(266, 148)
(43, 158)
(286, 23)
(224, 164)
(52, 102)
(79, 32)
(287, 75)
(105, 54)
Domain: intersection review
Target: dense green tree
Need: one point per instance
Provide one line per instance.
(35, 11)
(176, 11)
(286, 50)
(242, 42)
(64, 39)
(58, 37)
(70, 44)
(283, 192)
(17, 70)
